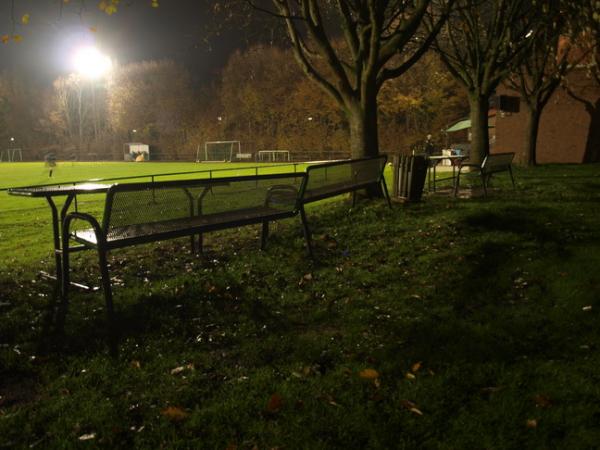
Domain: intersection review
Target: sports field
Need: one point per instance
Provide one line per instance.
(25, 233)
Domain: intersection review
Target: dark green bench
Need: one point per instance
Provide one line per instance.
(491, 164)
(140, 213)
(342, 177)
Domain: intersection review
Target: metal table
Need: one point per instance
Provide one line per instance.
(49, 192)
(455, 161)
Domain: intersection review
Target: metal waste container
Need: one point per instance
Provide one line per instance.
(410, 172)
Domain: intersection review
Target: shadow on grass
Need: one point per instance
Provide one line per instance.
(493, 317)
(83, 328)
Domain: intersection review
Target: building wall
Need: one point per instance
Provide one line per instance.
(568, 128)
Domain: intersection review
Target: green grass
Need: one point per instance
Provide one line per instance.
(496, 299)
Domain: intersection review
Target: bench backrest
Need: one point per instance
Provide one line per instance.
(329, 179)
(496, 162)
(155, 202)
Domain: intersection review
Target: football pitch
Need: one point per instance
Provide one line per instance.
(25, 223)
(37, 173)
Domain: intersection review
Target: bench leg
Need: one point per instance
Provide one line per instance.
(264, 235)
(306, 232)
(106, 287)
(457, 183)
(200, 244)
(353, 199)
(511, 176)
(65, 277)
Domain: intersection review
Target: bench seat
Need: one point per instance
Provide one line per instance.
(166, 229)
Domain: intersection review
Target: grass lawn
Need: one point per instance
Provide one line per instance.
(449, 324)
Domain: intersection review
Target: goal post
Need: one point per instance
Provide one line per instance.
(218, 151)
(11, 155)
(274, 155)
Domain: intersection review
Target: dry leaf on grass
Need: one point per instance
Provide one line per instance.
(274, 404)
(542, 401)
(416, 366)
(174, 413)
(178, 370)
(368, 374)
(411, 406)
(531, 423)
(87, 437)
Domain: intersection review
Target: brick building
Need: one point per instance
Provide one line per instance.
(569, 126)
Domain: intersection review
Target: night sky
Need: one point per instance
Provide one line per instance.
(136, 32)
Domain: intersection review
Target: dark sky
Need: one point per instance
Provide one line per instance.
(136, 32)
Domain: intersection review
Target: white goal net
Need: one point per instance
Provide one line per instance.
(11, 155)
(218, 151)
(274, 155)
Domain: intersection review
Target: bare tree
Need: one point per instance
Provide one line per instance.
(381, 40)
(481, 43)
(556, 48)
(587, 14)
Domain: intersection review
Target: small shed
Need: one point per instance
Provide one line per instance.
(135, 151)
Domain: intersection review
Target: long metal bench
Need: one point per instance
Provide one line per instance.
(491, 164)
(139, 213)
(341, 177)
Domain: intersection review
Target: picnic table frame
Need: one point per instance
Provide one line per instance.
(434, 161)
(49, 192)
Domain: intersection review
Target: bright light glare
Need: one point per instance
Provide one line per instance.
(90, 63)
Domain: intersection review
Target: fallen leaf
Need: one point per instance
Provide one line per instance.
(175, 414)
(87, 437)
(136, 364)
(274, 404)
(542, 401)
(178, 370)
(409, 376)
(587, 308)
(407, 404)
(368, 374)
(411, 406)
(415, 367)
(416, 411)
(531, 423)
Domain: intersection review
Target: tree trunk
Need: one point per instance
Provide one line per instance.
(362, 117)
(533, 126)
(480, 141)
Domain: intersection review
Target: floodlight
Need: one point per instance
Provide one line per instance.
(91, 63)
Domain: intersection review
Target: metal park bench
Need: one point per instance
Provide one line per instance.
(141, 213)
(341, 177)
(491, 164)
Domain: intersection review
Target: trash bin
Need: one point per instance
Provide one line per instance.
(409, 177)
